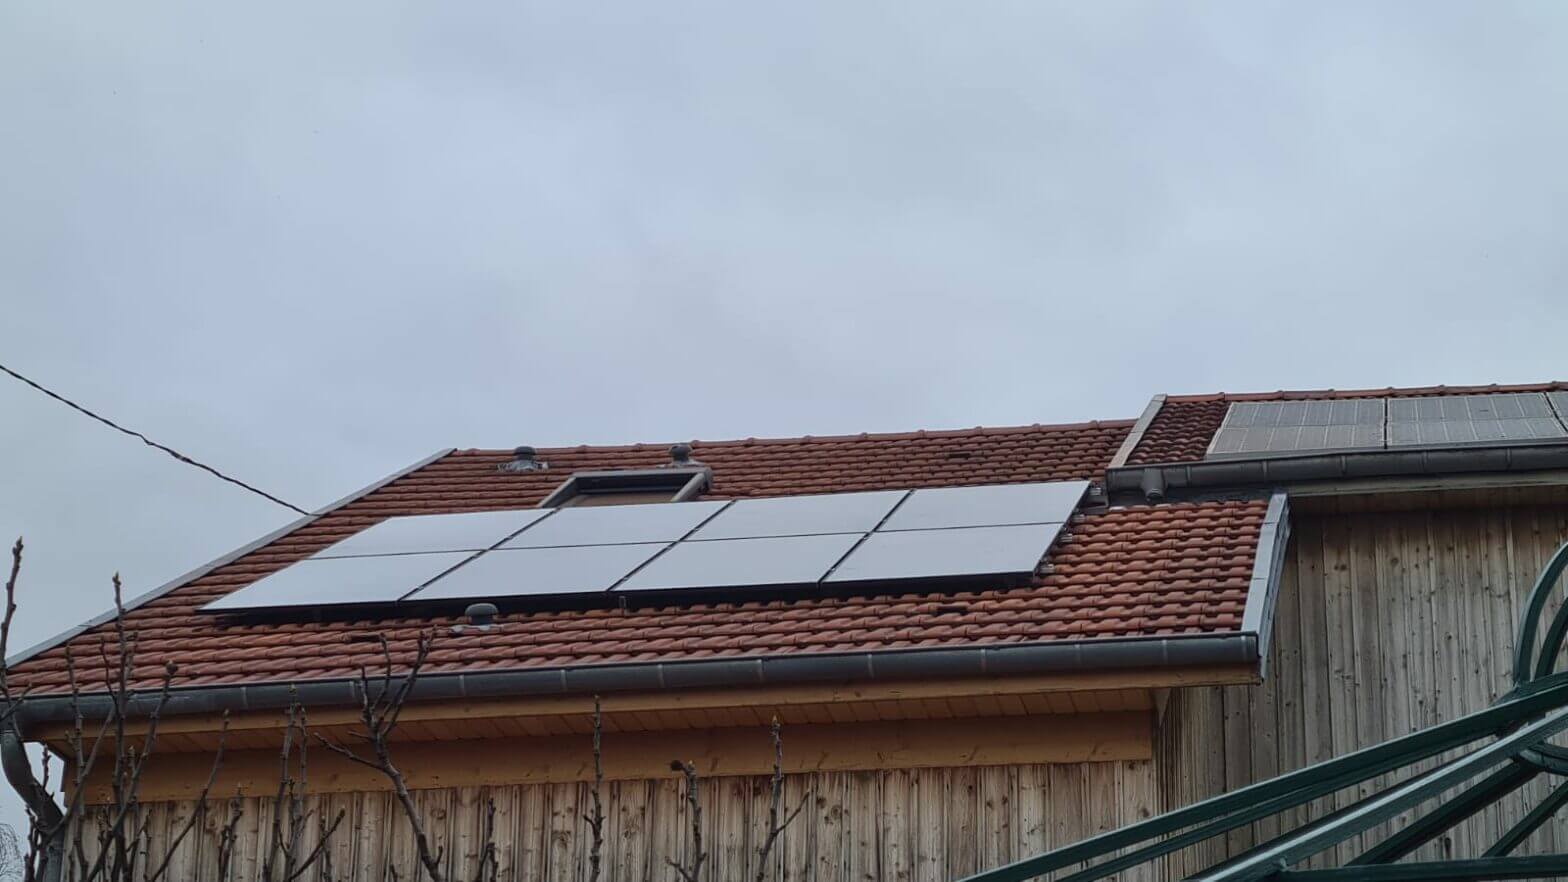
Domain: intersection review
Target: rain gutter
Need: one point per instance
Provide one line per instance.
(1338, 466)
(1107, 654)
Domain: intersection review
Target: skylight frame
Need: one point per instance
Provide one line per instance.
(685, 483)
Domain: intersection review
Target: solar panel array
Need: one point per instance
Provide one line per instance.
(1472, 419)
(794, 542)
(1258, 429)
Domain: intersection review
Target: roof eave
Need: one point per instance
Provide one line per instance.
(1237, 648)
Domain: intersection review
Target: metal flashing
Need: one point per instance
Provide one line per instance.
(1267, 565)
(223, 560)
(1135, 436)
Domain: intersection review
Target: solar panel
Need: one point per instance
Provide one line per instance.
(933, 554)
(616, 524)
(801, 515)
(316, 582)
(474, 531)
(1460, 420)
(1559, 402)
(1279, 428)
(531, 572)
(743, 563)
(988, 506)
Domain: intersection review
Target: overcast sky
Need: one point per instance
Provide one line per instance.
(312, 243)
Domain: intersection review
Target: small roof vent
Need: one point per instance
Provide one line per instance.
(523, 460)
(481, 615)
(680, 457)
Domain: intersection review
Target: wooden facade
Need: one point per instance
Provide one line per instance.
(931, 825)
(1386, 621)
(1392, 615)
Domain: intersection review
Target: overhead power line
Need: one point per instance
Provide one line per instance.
(151, 443)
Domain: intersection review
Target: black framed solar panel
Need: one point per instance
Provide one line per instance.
(777, 562)
(801, 515)
(1281, 428)
(988, 505)
(616, 524)
(1468, 420)
(535, 572)
(1009, 551)
(792, 543)
(472, 531)
(339, 581)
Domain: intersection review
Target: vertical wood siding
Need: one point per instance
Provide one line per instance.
(929, 825)
(1386, 623)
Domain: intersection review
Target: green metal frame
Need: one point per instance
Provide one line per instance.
(1508, 748)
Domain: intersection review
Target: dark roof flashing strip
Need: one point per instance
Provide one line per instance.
(182, 580)
(1236, 648)
(1386, 463)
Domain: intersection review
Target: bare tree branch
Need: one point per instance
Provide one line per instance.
(775, 798)
(596, 820)
(691, 870)
(123, 830)
(379, 710)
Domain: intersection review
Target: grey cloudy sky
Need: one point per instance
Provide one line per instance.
(315, 242)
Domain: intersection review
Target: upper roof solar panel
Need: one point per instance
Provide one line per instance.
(338, 581)
(474, 531)
(1468, 420)
(775, 562)
(532, 572)
(616, 524)
(1559, 402)
(1013, 551)
(1253, 429)
(988, 506)
(801, 515)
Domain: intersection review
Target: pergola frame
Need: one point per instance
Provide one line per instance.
(1509, 749)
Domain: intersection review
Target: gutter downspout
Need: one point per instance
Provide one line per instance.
(19, 771)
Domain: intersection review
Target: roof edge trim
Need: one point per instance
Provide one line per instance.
(1236, 648)
(222, 560)
(1257, 617)
(1135, 436)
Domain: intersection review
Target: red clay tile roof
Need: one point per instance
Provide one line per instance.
(1134, 571)
(1182, 429)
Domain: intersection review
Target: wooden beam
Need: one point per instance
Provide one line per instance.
(1073, 738)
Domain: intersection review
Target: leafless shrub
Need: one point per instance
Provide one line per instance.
(381, 703)
(57, 837)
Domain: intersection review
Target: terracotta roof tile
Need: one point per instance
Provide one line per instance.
(1134, 571)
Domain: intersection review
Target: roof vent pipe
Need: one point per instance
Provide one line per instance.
(523, 460)
(480, 615)
(1152, 484)
(680, 456)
